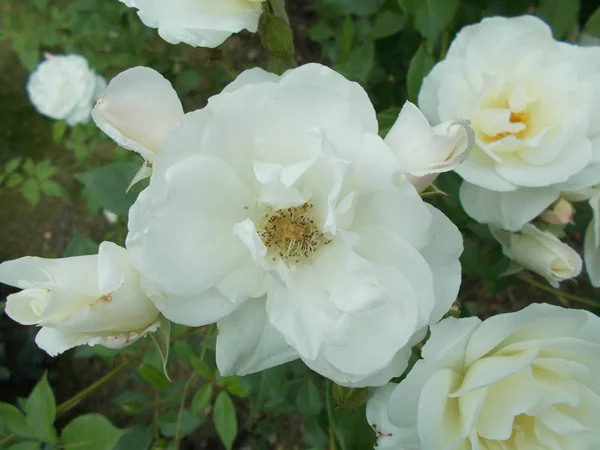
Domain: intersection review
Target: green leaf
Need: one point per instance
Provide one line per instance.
(80, 246)
(189, 422)
(592, 26)
(314, 435)
(201, 399)
(387, 23)
(234, 386)
(561, 15)
(29, 167)
(359, 63)
(351, 428)
(225, 419)
(44, 170)
(41, 412)
(162, 339)
(138, 437)
(358, 7)
(153, 376)
(13, 180)
(348, 397)
(52, 188)
(309, 399)
(59, 128)
(29, 445)
(31, 191)
(321, 33)
(201, 368)
(91, 432)
(12, 165)
(420, 65)
(430, 17)
(108, 186)
(276, 36)
(13, 421)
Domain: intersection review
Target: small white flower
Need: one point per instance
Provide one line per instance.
(80, 300)
(137, 110)
(540, 252)
(276, 211)
(525, 380)
(533, 102)
(591, 248)
(63, 87)
(201, 23)
(426, 151)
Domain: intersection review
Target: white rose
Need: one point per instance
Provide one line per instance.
(137, 110)
(540, 252)
(591, 247)
(63, 87)
(533, 102)
(425, 151)
(80, 300)
(201, 23)
(274, 210)
(525, 380)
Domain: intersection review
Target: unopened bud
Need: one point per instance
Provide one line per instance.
(561, 213)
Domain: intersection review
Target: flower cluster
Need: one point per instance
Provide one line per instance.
(533, 103)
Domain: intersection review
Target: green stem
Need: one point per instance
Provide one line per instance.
(7, 440)
(558, 293)
(332, 445)
(189, 382)
(445, 44)
(73, 401)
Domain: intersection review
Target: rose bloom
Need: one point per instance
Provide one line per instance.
(63, 87)
(534, 104)
(278, 211)
(201, 23)
(80, 300)
(525, 380)
(541, 252)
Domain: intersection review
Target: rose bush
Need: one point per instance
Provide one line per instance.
(94, 300)
(63, 87)
(297, 232)
(514, 381)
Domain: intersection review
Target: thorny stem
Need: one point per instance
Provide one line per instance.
(73, 401)
(188, 383)
(558, 293)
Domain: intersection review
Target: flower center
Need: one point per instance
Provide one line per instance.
(523, 118)
(292, 233)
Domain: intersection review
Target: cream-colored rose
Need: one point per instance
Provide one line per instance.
(519, 381)
(80, 300)
(533, 102)
(541, 252)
